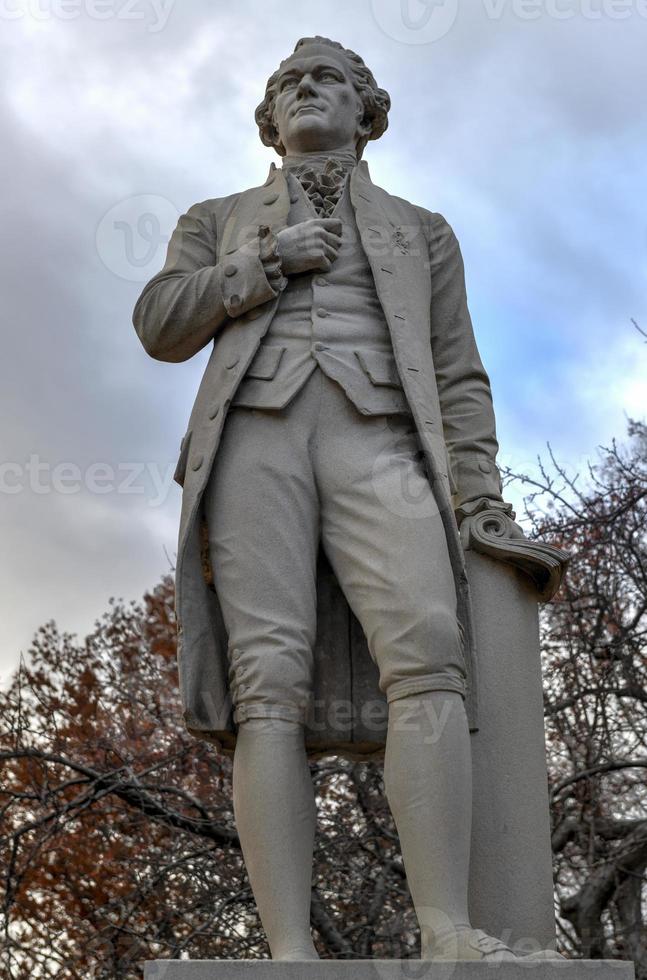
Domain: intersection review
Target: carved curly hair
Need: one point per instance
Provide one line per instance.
(376, 100)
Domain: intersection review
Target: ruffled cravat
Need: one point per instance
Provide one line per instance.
(322, 177)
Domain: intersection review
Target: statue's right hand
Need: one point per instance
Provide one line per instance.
(309, 245)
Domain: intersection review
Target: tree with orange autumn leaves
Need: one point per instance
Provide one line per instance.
(117, 839)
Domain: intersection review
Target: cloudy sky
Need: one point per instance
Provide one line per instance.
(522, 121)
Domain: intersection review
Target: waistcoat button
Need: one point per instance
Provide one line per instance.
(322, 312)
(230, 270)
(320, 281)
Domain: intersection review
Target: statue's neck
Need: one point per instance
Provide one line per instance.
(318, 160)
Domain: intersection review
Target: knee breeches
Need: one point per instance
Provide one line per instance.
(315, 471)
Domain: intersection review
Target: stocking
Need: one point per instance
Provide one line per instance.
(275, 812)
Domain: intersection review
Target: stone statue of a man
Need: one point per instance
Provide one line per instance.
(343, 374)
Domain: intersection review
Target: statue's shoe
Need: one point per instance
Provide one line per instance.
(543, 954)
(465, 943)
(297, 956)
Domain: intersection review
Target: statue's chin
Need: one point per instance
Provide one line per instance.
(311, 134)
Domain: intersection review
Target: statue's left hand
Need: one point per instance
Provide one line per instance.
(497, 508)
(494, 517)
(488, 526)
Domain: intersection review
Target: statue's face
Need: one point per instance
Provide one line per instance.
(316, 106)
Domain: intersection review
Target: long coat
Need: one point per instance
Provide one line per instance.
(212, 289)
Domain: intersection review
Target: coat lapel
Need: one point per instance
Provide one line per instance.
(396, 250)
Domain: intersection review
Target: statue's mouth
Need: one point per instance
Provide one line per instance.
(304, 108)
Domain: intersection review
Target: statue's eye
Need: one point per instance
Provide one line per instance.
(329, 76)
(288, 83)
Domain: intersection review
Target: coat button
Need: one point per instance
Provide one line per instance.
(235, 301)
(230, 270)
(213, 412)
(294, 199)
(197, 462)
(319, 346)
(233, 361)
(271, 199)
(322, 312)
(320, 281)
(485, 467)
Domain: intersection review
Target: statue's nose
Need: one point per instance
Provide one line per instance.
(306, 86)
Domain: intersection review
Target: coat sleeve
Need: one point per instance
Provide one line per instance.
(463, 385)
(182, 307)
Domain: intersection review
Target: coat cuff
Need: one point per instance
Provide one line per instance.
(245, 283)
(475, 476)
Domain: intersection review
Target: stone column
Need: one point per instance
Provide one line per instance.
(511, 879)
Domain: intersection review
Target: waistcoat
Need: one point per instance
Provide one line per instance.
(332, 320)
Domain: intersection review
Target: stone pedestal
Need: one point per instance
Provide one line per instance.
(511, 875)
(386, 970)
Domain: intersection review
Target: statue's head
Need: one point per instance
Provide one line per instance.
(323, 97)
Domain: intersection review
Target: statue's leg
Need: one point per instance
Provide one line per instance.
(427, 777)
(275, 811)
(262, 516)
(384, 537)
